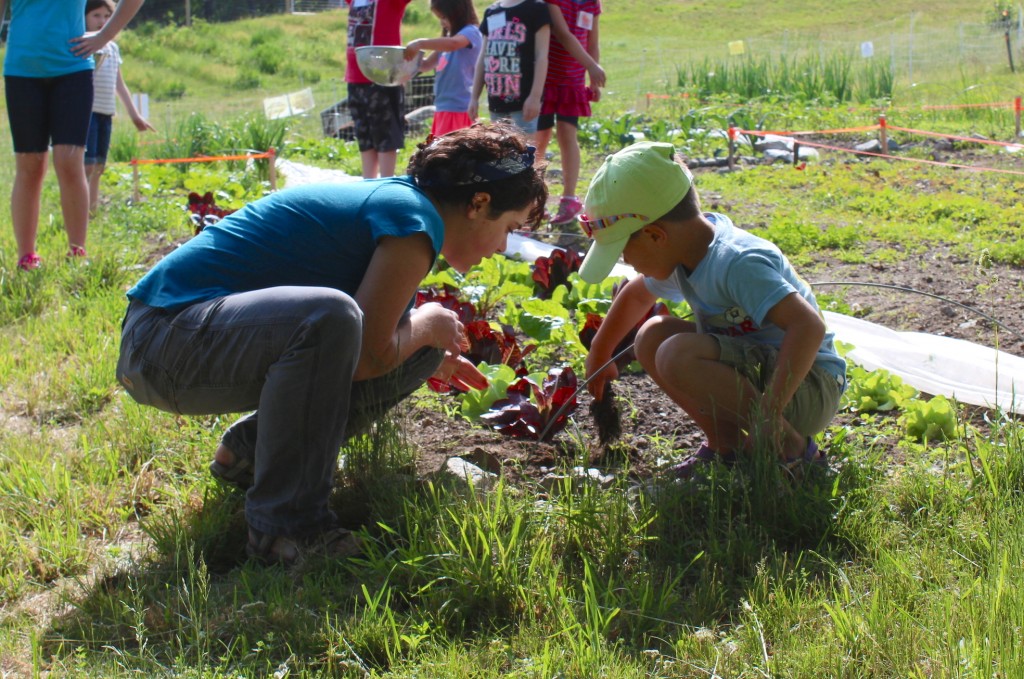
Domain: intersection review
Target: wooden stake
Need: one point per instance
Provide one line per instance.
(1016, 113)
(135, 181)
(732, 147)
(272, 169)
(883, 134)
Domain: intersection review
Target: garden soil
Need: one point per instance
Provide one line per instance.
(651, 424)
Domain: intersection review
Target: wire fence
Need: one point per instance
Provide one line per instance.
(914, 56)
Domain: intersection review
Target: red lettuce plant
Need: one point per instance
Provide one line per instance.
(486, 345)
(541, 417)
(492, 347)
(448, 297)
(551, 271)
(203, 210)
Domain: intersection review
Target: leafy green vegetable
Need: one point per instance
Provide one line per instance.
(478, 401)
(876, 390)
(930, 420)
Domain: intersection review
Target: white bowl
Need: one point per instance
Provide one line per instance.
(387, 65)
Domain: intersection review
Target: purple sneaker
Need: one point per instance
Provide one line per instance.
(691, 466)
(812, 456)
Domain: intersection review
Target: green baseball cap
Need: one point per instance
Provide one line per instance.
(634, 187)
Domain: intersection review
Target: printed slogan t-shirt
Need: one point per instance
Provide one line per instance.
(509, 58)
(371, 22)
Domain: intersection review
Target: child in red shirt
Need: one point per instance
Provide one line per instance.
(574, 53)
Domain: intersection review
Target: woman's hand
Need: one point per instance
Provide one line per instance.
(88, 44)
(457, 371)
(440, 328)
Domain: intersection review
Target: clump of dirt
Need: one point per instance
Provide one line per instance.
(607, 416)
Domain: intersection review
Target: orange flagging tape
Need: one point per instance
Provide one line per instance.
(793, 134)
(201, 159)
(953, 136)
(910, 160)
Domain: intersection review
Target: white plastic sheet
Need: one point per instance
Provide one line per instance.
(969, 372)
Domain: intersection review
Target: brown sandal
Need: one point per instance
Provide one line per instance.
(272, 550)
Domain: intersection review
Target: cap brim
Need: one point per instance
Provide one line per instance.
(601, 259)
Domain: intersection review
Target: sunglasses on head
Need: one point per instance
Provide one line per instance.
(591, 225)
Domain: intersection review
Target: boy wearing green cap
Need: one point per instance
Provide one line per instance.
(756, 361)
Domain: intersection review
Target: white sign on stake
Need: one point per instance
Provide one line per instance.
(288, 104)
(141, 101)
(867, 49)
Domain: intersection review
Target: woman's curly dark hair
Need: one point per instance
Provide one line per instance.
(444, 165)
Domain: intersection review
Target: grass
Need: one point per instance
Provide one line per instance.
(119, 556)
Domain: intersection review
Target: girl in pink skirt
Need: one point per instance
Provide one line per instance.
(574, 53)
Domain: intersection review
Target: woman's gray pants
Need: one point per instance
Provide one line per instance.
(289, 354)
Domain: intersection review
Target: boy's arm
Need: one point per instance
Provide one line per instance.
(630, 304)
(531, 107)
(141, 124)
(85, 45)
(587, 57)
(478, 82)
(804, 330)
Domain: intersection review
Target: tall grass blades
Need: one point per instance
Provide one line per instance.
(824, 77)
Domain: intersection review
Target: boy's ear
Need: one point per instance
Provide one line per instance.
(656, 232)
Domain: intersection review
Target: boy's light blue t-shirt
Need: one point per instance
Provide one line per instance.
(39, 38)
(453, 84)
(316, 235)
(737, 283)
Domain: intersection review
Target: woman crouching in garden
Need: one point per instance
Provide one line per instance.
(299, 307)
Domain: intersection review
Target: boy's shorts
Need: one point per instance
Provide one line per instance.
(377, 116)
(44, 111)
(97, 144)
(816, 400)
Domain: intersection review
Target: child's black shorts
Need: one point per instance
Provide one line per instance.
(45, 111)
(377, 114)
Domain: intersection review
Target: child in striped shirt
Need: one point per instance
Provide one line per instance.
(106, 80)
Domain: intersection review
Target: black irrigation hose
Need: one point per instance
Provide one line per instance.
(903, 288)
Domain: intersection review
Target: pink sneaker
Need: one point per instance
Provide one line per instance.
(76, 251)
(29, 262)
(568, 208)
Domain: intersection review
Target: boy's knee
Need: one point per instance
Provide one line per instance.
(651, 335)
